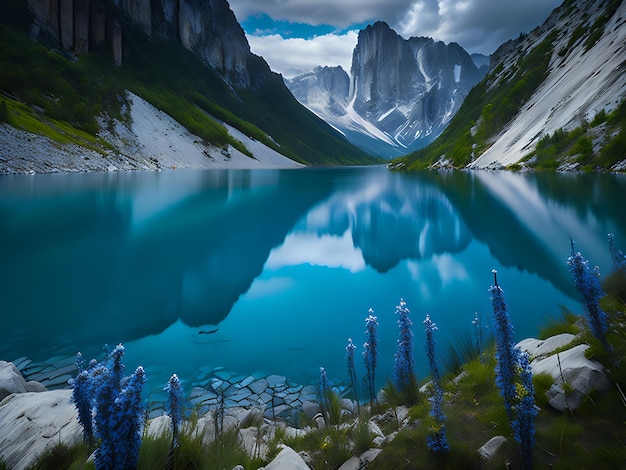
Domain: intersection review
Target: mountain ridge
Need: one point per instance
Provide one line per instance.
(565, 79)
(401, 94)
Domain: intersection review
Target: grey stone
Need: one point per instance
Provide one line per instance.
(311, 408)
(258, 386)
(252, 441)
(581, 374)
(361, 462)
(158, 426)
(11, 381)
(402, 414)
(374, 429)
(32, 422)
(34, 386)
(539, 348)
(287, 459)
(276, 381)
(488, 451)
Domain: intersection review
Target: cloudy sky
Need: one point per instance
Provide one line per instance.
(294, 36)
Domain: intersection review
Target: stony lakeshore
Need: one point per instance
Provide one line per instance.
(33, 418)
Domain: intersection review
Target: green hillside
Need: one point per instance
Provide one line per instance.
(60, 90)
(596, 144)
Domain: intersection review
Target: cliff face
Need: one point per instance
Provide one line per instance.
(206, 27)
(401, 93)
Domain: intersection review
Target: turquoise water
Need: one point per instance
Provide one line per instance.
(270, 272)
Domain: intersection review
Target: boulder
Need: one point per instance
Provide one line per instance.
(489, 450)
(358, 463)
(287, 459)
(581, 374)
(32, 422)
(540, 348)
(11, 381)
(159, 426)
(252, 441)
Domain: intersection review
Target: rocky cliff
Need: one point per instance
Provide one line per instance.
(206, 27)
(401, 95)
(547, 100)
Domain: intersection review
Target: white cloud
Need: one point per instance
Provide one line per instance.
(342, 13)
(317, 250)
(292, 57)
(477, 25)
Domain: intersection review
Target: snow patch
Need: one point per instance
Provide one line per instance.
(457, 73)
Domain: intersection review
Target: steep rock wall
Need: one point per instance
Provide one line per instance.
(206, 27)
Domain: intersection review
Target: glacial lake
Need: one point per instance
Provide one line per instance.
(271, 271)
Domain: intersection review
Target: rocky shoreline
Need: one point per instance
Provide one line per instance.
(33, 418)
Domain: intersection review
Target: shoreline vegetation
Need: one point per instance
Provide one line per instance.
(479, 413)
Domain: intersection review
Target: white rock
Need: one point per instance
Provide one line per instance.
(31, 422)
(378, 441)
(252, 441)
(538, 348)
(581, 374)
(402, 413)
(374, 429)
(287, 459)
(11, 381)
(488, 451)
(361, 462)
(159, 426)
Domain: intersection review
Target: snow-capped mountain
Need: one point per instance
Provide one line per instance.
(400, 95)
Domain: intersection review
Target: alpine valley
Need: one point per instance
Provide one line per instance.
(141, 84)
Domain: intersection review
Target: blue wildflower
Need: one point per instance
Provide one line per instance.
(351, 369)
(81, 397)
(324, 391)
(619, 259)
(370, 353)
(126, 424)
(505, 354)
(174, 405)
(109, 413)
(437, 440)
(525, 410)
(404, 364)
(588, 284)
(513, 377)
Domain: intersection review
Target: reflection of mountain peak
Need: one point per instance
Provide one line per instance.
(390, 223)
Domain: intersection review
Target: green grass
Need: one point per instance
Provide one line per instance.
(575, 146)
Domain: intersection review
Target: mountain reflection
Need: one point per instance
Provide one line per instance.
(389, 221)
(90, 259)
(101, 262)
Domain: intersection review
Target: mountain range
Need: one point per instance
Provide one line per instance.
(74, 75)
(552, 99)
(400, 93)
